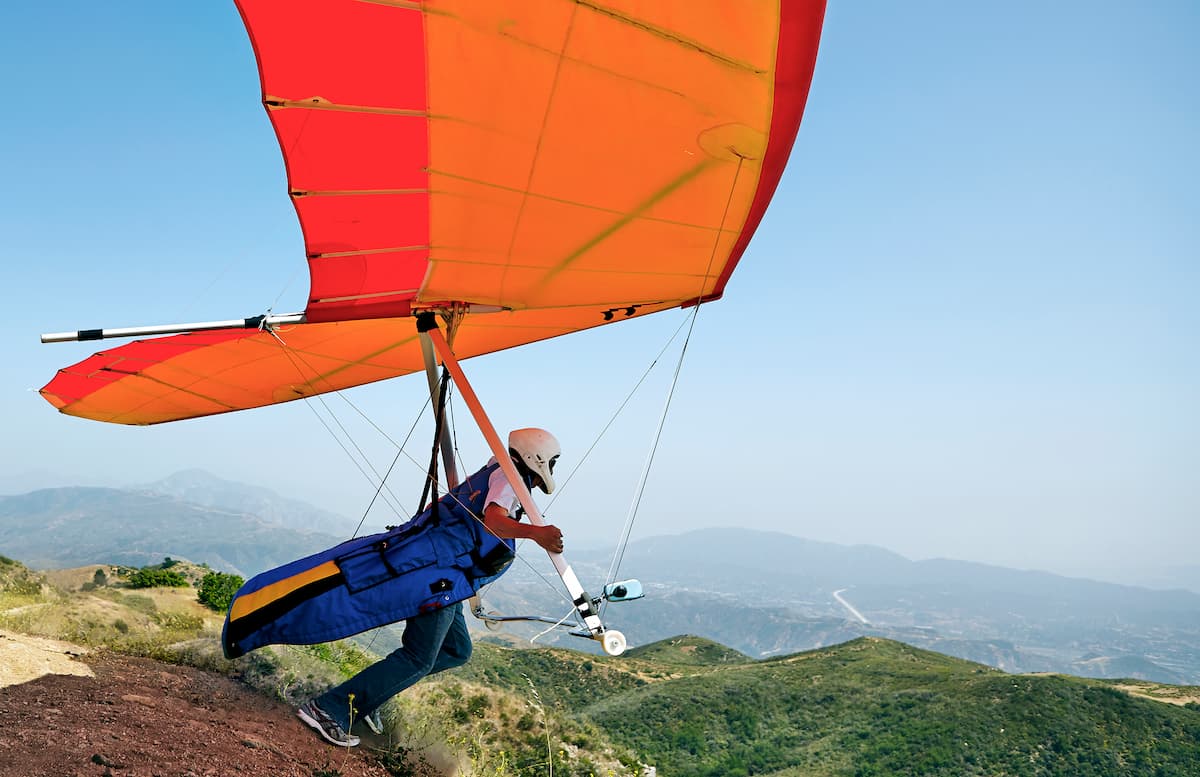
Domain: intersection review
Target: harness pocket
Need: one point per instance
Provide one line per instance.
(395, 555)
(381, 561)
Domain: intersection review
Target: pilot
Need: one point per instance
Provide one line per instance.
(438, 640)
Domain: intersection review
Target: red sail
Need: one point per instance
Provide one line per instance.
(568, 164)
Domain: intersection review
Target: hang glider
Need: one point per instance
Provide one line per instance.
(564, 164)
(522, 170)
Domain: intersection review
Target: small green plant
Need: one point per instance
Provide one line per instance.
(478, 705)
(403, 761)
(217, 590)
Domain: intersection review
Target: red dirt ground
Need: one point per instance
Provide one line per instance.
(142, 718)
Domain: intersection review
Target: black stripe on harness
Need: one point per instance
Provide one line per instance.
(239, 629)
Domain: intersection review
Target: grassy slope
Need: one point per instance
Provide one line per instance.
(867, 707)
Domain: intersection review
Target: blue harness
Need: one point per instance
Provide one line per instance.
(438, 558)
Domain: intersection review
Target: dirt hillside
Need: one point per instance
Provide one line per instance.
(133, 717)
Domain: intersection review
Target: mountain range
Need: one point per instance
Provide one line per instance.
(768, 593)
(761, 593)
(67, 527)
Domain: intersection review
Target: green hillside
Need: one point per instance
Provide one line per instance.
(867, 707)
(875, 707)
(689, 650)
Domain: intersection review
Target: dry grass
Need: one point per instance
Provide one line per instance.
(1170, 694)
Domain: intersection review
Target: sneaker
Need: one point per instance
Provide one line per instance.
(325, 725)
(374, 722)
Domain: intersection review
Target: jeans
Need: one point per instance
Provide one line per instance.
(432, 642)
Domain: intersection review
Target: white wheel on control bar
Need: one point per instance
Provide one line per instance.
(613, 643)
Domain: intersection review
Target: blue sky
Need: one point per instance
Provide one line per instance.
(967, 326)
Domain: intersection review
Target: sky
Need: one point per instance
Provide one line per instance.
(967, 326)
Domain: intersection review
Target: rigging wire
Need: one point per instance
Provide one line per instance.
(627, 529)
(391, 467)
(623, 542)
(296, 360)
(558, 491)
(356, 463)
(616, 414)
(288, 285)
(549, 629)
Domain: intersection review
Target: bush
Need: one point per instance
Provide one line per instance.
(217, 590)
(150, 577)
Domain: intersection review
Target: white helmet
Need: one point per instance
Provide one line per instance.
(538, 450)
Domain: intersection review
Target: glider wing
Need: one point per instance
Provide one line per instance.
(567, 164)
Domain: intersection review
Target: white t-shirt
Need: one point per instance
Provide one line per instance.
(501, 492)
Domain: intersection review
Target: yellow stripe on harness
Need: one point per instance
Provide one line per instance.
(249, 603)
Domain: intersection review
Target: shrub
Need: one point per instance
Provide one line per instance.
(217, 590)
(150, 577)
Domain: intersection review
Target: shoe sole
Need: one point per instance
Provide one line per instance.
(351, 741)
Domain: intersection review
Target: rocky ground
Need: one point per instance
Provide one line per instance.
(103, 714)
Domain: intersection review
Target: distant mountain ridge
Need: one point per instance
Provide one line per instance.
(768, 593)
(69, 527)
(200, 487)
(761, 593)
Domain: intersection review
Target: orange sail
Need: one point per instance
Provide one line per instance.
(561, 164)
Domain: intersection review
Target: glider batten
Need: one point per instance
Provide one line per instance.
(321, 104)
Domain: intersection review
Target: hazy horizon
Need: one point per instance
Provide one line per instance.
(1156, 576)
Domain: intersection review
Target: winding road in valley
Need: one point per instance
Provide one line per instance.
(861, 618)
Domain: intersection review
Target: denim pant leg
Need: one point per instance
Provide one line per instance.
(422, 650)
(456, 647)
